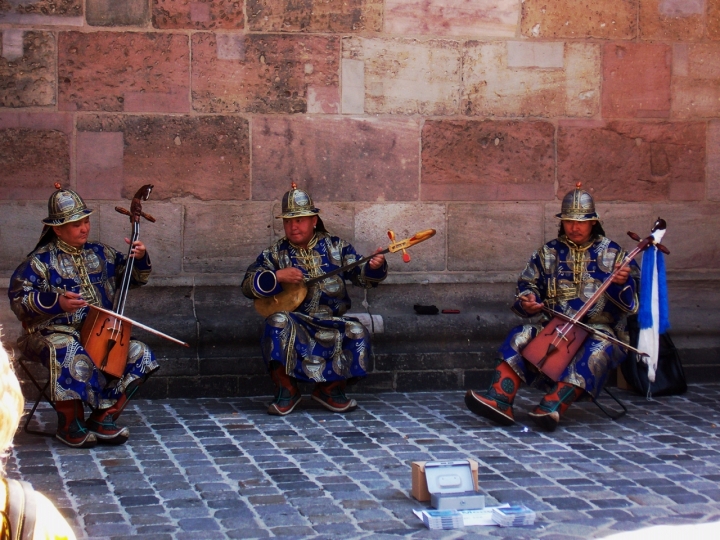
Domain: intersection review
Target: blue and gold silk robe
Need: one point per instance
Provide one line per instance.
(53, 336)
(314, 342)
(564, 276)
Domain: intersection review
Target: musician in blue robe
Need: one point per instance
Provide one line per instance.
(313, 342)
(562, 275)
(49, 293)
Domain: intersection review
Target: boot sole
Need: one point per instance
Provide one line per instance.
(119, 438)
(486, 411)
(88, 442)
(549, 422)
(274, 411)
(351, 406)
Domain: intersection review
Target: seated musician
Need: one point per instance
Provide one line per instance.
(312, 342)
(562, 275)
(49, 292)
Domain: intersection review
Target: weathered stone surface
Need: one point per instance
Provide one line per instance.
(690, 236)
(353, 86)
(100, 164)
(336, 158)
(493, 237)
(713, 162)
(42, 7)
(123, 71)
(713, 19)
(408, 76)
(496, 18)
(20, 228)
(339, 218)
(490, 160)
(315, 15)
(632, 161)
(605, 19)
(696, 80)
(373, 221)
(114, 13)
(162, 238)
(264, 73)
(491, 87)
(225, 238)
(32, 160)
(205, 157)
(672, 20)
(201, 15)
(27, 68)
(636, 80)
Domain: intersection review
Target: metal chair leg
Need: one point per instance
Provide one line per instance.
(42, 393)
(614, 415)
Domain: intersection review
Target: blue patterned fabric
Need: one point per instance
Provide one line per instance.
(564, 276)
(315, 342)
(52, 336)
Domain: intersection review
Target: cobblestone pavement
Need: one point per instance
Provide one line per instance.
(223, 468)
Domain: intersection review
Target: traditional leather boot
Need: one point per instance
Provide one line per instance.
(331, 395)
(287, 394)
(547, 414)
(101, 423)
(496, 403)
(130, 391)
(71, 425)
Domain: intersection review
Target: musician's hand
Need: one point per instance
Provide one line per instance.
(622, 276)
(70, 302)
(530, 304)
(138, 250)
(289, 275)
(377, 261)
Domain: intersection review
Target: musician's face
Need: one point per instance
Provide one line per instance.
(75, 233)
(578, 231)
(300, 230)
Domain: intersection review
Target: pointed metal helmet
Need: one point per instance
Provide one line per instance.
(578, 205)
(65, 206)
(297, 203)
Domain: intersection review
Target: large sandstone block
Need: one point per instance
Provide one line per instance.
(636, 80)
(633, 161)
(123, 71)
(531, 79)
(20, 229)
(162, 238)
(713, 19)
(494, 236)
(315, 15)
(99, 164)
(336, 158)
(496, 18)
(27, 68)
(691, 236)
(32, 161)
(42, 12)
(114, 13)
(373, 221)
(713, 164)
(408, 76)
(225, 238)
(218, 14)
(672, 20)
(604, 19)
(490, 160)
(696, 80)
(265, 73)
(203, 156)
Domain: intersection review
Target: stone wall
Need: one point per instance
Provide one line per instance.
(473, 118)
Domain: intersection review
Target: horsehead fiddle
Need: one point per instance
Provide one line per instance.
(552, 350)
(105, 334)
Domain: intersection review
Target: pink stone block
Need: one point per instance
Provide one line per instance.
(63, 122)
(489, 160)
(218, 14)
(100, 164)
(713, 163)
(315, 16)
(672, 20)
(497, 18)
(696, 85)
(636, 80)
(634, 161)
(604, 19)
(123, 71)
(691, 236)
(264, 73)
(28, 68)
(336, 159)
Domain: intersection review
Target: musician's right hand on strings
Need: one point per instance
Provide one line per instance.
(530, 304)
(289, 275)
(70, 302)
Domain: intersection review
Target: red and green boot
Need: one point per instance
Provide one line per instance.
(554, 404)
(71, 425)
(287, 393)
(331, 395)
(103, 426)
(496, 403)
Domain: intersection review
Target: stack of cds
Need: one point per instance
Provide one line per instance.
(515, 515)
(442, 519)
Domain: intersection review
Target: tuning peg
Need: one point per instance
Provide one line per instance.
(124, 212)
(633, 236)
(662, 248)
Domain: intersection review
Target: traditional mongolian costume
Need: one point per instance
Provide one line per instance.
(52, 335)
(563, 276)
(314, 342)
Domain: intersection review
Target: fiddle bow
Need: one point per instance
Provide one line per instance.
(293, 294)
(105, 334)
(552, 350)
